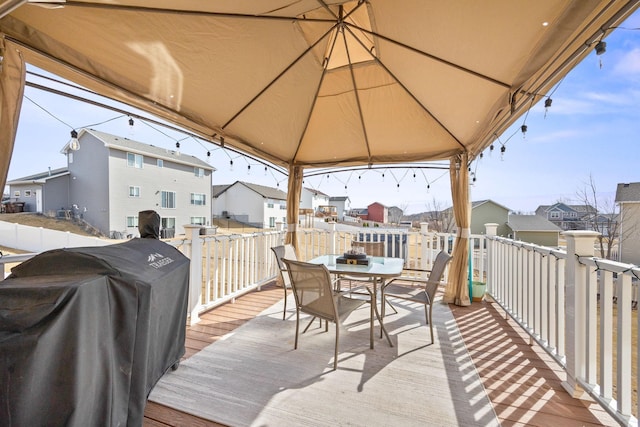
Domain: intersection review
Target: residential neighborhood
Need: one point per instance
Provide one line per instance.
(109, 179)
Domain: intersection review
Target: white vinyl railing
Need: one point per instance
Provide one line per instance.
(579, 309)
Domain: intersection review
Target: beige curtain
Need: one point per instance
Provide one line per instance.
(457, 290)
(12, 77)
(293, 204)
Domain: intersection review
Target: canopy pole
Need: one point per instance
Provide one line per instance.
(457, 290)
(294, 190)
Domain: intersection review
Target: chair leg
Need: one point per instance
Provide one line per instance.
(310, 322)
(284, 311)
(335, 351)
(430, 320)
(295, 344)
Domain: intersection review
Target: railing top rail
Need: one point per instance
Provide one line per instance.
(543, 250)
(609, 265)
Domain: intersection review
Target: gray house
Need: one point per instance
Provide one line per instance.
(111, 179)
(567, 217)
(534, 229)
(253, 204)
(42, 192)
(628, 198)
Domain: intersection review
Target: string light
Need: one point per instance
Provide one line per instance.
(547, 105)
(523, 128)
(74, 144)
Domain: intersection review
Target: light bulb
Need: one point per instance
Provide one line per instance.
(74, 145)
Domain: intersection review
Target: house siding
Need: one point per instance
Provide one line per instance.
(55, 194)
(489, 212)
(630, 230)
(542, 238)
(377, 212)
(89, 182)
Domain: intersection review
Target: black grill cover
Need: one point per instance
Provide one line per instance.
(85, 333)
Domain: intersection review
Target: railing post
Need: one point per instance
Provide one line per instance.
(332, 237)
(192, 233)
(491, 230)
(579, 243)
(425, 245)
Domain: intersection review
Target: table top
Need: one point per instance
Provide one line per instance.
(385, 267)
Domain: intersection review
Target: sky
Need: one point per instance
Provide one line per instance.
(591, 132)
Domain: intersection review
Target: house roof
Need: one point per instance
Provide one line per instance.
(125, 144)
(567, 208)
(262, 190)
(531, 223)
(316, 192)
(339, 199)
(482, 202)
(39, 178)
(628, 192)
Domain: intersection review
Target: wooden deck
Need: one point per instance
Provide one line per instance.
(522, 382)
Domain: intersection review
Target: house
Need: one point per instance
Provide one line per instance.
(395, 214)
(256, 205)
(342, 204)
(42, 192)
(534, 229)
(482, 212)
(488, 211)
(378, 212)
(628, 200)
(567, 217)
(110, 179)
(311, 200)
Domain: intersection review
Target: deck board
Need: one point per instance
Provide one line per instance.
(521, 380)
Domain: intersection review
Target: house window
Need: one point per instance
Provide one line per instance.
(27, 193)
(134, 160)
(283, 207)
(198, 220)
(16, 193)
(134, 191)
(272, 221)
(270, 205)
(554, 215)
(199, 172)
(132, 221)
(169, 199)
(198, 199)
(160, 163)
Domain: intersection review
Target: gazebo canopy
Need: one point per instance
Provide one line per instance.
(319, 82)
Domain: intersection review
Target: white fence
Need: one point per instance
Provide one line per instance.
(38, 239)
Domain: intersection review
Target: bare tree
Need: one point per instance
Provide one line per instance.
(440, 220)
(601, 216)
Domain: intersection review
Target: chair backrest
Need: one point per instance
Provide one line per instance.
(281, 252)
(437, 271)
(311, 285)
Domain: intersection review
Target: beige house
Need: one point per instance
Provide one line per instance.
(534, 229)
(628, 199)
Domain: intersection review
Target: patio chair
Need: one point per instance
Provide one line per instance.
(315, 295)
(289, 252)
(417, 289)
